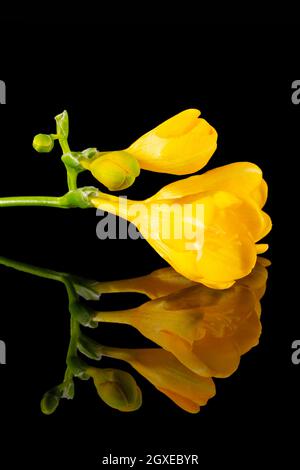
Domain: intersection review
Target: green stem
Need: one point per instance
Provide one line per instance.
(72, 178)
(72, 295)
(32, 201)
(56, 276)
(68, 377)
(79, 198)
(71, 172)
(64, 145)
(74, 337)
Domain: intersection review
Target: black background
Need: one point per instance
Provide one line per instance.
(118, 81)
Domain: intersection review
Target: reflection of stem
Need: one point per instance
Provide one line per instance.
(75, 329)
(35, 270)
(73, 297)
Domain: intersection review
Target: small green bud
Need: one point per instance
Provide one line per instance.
(43, 143)
(116, 170)
(117, 389)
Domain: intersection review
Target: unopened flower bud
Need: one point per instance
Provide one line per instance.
(43, 143)
(115, 170)
(117, 388)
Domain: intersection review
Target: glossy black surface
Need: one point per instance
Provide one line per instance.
(114, 93)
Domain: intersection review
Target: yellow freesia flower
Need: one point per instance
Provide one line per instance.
(207, 330)
(187, 389)
(205, 226)
(181, 145)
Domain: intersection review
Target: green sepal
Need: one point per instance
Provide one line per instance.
(81, 313)
(79, 197)
(68, 390)
(85, 288)
(78, 367)
(89, 153)
(72, 160)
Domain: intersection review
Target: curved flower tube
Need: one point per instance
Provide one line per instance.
(205, 226)
(187, 389)
(181, 145)
(205, 329)
(165, 281)
(159, 283)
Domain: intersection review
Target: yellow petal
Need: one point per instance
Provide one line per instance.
(226, 251)
(260, 194)
(241, 179)
(184, 403)
(180, 145)
(261, 248)
(177, 125)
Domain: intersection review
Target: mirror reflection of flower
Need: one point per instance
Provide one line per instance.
(202, 332)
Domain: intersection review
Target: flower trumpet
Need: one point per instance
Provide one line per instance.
(159, 283)
(205, 226)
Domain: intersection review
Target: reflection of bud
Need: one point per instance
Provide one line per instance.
(187, 389)
(50, 401)
(43, 143)
(117, 388)
(115, 170)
